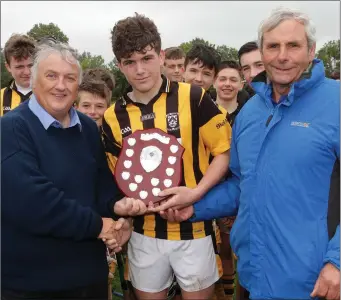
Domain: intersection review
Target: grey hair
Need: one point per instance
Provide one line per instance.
(46, 49)
(281, 14)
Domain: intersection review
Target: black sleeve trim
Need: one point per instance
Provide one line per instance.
(109, 142)
(208, 109)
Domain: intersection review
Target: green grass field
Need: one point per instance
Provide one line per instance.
(116, 285)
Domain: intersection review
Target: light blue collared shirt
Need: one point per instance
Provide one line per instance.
(47, 120)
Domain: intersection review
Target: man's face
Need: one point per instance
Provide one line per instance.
(142, 70)
(251, 64)
(227, 84)
(20, 70)
(174, 69)
(92, 105)
(199, 75)
(285, 52)
(56, 85)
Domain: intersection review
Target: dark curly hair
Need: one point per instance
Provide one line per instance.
(134, 34)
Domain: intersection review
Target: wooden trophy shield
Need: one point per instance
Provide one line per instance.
(150, 161)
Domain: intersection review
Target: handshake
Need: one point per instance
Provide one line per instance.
(177, 207)
(115, 233)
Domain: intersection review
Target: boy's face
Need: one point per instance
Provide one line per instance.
(174, 69)
(199, 75)
(92, 105)
(20, 70)
(143, 70)
(251, 64)
(228, 84)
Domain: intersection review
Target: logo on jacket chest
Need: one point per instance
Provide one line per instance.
(300, 124)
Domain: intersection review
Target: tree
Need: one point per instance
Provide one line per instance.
(87, 60)
(5, 76)
(330, 55)
(40, 30)
(227, 53)
(121, 82)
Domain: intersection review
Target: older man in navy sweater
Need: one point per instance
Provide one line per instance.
(58, 195)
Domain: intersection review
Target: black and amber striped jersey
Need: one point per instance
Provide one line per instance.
(11, 98)
(188, 113)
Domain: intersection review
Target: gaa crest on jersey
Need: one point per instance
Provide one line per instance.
(173, 121)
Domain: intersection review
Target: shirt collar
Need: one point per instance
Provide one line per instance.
(47, 120)
(165, 88)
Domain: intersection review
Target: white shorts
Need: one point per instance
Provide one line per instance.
(153, 263)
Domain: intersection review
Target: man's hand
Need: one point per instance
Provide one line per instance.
(328, 283)
(108, 229)
(123, 228)
(130, 207)
(177, 215)
(180, 197)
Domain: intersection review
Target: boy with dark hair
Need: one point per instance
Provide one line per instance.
(94, 93)
(251, 63)
(201, 66)
(174, 63)
(228, 84)
(18, 53)
(158, 249)
(230, 96)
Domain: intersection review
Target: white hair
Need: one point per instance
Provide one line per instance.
(281, 14)
(46, 49)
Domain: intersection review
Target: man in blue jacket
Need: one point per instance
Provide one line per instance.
(58, 197)
(285, 146)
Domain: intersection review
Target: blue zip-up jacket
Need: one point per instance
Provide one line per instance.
(282, 158)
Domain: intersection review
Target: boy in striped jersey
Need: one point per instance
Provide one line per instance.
(158, 249)
(18, 53)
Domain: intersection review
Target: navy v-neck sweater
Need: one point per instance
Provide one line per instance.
(55, 187)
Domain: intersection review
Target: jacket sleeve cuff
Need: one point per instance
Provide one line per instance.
(111, 205)
(197, 215)
(333, 251)
(95, 227)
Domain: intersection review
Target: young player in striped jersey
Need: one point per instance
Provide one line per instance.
(18, 53)
(158, 249)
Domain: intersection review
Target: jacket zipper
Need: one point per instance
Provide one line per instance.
(270, 118)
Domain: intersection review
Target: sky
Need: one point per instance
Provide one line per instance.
(232, 23)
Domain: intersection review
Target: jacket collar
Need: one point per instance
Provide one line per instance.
(311, 77)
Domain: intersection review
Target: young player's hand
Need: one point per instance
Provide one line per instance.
(178, 198)
(130, 207)
(175, 215)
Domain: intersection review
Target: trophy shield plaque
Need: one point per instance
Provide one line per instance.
(150, 161)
